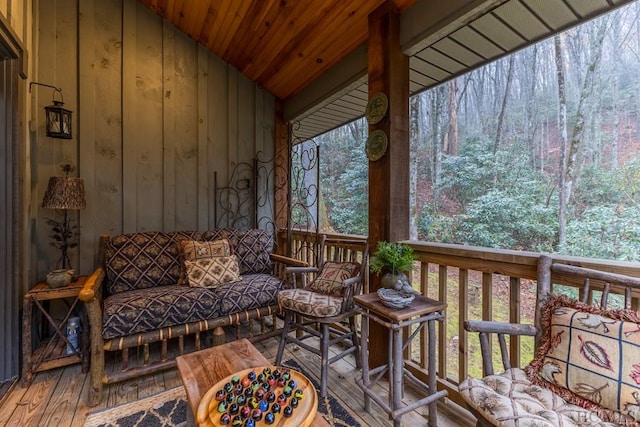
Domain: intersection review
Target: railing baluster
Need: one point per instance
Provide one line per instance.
(463, 314)
(424, 289)
(514, 317)
(487, 303)
(442, 327)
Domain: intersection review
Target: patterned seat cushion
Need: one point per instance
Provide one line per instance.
(253, 247)
(510, 399)
(252, 291)
(309, 303)
(143, 260)
(146, 310)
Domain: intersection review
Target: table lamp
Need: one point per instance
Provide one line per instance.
(64, 193)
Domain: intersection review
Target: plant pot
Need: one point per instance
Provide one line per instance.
(395, 281)
(59, 278)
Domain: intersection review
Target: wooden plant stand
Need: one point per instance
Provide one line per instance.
(421, 312)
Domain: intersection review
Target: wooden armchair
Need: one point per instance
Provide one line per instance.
(586, 369)
(322, 298)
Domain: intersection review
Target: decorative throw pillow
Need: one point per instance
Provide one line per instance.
(214, 271)
(193, 250)
(591, 358)
(329, 280)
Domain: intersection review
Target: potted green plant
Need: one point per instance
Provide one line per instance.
(395, 261)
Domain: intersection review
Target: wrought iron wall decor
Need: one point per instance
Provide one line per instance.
(246, 199)
(304, 190)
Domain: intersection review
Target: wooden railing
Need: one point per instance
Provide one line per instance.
(476, 283)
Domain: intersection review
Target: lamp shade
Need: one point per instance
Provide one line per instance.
(64, 192)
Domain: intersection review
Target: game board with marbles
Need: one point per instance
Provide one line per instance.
(263, 396)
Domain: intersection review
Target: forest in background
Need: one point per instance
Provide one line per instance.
(536, 151)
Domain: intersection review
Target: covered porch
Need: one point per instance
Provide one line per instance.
(191, 107)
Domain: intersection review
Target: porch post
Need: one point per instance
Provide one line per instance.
(388, 69)
(281, 174)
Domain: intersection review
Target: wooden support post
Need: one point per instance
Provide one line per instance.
(388, 70)
(281, 169)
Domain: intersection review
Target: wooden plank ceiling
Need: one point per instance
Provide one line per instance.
(283, 45)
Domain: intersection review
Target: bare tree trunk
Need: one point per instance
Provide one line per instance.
(615, 80)
(452, 139)
(577, 136)
(436, 139)
(414, 140)
(503, 108)
(530, 122)
(562, 125)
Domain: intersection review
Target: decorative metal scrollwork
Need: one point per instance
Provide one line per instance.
(304, 189)
(246, 201)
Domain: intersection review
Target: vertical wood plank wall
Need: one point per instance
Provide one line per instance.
(155, 117)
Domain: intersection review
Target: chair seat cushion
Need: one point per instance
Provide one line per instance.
(309, 303)
(145, 310)
(510, 399)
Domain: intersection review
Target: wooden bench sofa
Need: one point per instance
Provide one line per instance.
(586, 368)
(140, 295)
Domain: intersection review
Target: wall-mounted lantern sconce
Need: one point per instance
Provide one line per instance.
(58, 117)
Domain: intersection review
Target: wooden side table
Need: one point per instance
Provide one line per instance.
(52, 351)
(423, 312)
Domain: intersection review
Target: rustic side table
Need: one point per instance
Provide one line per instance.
(51, 352)
(423, 312)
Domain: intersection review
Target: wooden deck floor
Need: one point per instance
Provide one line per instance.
(59, 397)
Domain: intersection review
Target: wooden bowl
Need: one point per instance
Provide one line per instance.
(209, 416)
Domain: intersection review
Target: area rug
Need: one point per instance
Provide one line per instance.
(169, 409)
(166, 409)
(332, 411)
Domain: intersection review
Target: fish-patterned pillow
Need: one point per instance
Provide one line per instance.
(590, 357)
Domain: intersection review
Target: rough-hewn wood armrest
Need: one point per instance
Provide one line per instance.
(288, 261)
(351, 281)
(501, 329)
(487, 327)
(301, 270)
(92, 285)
